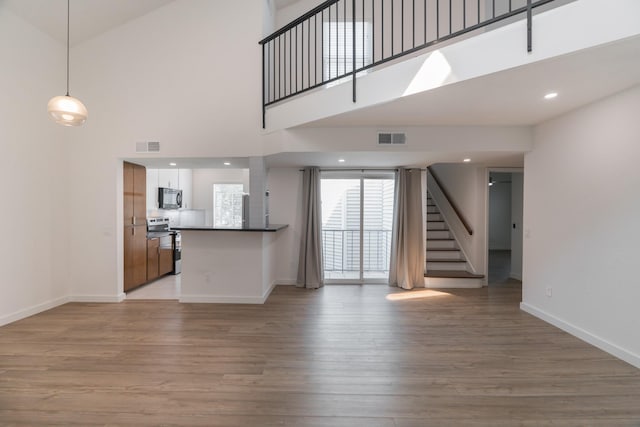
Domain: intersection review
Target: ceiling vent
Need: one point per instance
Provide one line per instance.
(388, 138)
(148, 147)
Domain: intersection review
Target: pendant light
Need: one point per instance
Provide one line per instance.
(67, 110)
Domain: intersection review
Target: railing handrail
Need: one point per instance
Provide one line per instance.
(297, 21)
(450, 200)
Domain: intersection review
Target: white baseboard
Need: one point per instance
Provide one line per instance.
(30, 311)
(586, 336)
(286, 282)
(97, 298)
(221, 299)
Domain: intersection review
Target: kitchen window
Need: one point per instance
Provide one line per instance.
(227, 205)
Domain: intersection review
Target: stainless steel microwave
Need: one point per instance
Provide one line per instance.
(169, 198)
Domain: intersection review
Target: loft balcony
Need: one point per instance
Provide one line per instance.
(445, 62)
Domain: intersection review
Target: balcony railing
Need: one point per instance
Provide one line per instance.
(342, 38)
(341, 250)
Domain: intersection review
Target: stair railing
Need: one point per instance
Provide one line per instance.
(340, 39)
(459, 226)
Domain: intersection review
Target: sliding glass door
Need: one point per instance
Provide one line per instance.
(357, 216)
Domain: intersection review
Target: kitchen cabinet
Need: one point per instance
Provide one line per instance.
(159, 257)
(168, 178)
(185, 182)
(153, 246)
(165, 256)
(135, 225)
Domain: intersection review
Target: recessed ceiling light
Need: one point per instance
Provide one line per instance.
(467, 160)
(341, 160)
(551, 95)
(173, 164)
(227, 164)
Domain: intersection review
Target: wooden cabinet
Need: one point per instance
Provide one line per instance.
(153, 246)
(135, 225)
(159, 257)
(165, 256)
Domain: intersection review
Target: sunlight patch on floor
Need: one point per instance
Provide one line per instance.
(419, 294)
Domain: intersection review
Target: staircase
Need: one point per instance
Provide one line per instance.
(446, 265)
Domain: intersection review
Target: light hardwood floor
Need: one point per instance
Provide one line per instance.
(340, 356)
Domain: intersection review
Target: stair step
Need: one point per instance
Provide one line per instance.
(458, 274)
(455, 264)
(440, 244)
(432, 209)
(439, 234)
(434, 217)
(444, 254)
(436, 225)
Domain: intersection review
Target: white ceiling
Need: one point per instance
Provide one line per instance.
(88, 18)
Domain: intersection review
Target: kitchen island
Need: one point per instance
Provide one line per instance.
(228, 265)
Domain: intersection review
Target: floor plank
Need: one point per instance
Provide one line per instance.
(338, 356)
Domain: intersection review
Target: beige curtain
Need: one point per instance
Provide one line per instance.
(407, 244)
(310, 270)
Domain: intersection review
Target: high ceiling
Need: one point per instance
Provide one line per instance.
(89, 18)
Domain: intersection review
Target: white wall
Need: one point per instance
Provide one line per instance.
(517, 182)
(500, 211)
(466, 185)
(33, 256)
(581, 224)
(285, 204)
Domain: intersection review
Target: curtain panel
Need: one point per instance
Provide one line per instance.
(310, 264)
(407, 245)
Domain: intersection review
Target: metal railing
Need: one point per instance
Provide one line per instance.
(341, 38)
(341, 250)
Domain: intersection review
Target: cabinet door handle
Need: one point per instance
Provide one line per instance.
(133, 220)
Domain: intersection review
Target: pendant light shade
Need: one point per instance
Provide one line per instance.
(67, 110)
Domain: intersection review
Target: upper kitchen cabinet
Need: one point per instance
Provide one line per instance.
(169, 178)
(135, 194)
(185, 179)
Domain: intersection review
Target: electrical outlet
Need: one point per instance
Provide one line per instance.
(549, 291)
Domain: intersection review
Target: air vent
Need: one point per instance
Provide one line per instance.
(148, 147)
(387, 138)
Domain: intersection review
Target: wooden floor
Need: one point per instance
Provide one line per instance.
(340, 356)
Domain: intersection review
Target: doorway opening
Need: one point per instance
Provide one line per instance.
(504, 243)
(357, 219)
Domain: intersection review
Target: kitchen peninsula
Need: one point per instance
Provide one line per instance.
(228, 265)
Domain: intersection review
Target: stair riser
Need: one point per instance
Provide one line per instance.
(433, 255)
(434, 217)
(451, 266)
(436, 226)
(440, 244)
(439, 234)
(440, 282)
(432, 209)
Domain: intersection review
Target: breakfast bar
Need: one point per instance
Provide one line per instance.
(228, 265)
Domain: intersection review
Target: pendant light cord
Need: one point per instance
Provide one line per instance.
(68, 7)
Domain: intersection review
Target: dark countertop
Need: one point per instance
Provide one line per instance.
(270, 228)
